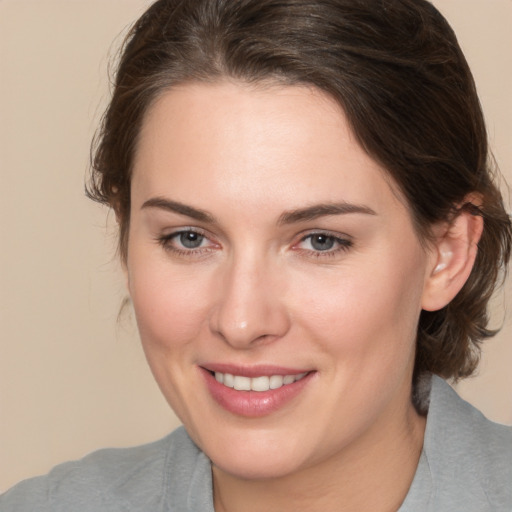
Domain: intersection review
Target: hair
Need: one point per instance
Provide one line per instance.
(397, 71)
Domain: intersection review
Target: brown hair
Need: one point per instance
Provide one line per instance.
(398, 72)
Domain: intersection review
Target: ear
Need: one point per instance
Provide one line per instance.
(453, 255)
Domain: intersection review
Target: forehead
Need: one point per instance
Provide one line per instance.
(261, 145)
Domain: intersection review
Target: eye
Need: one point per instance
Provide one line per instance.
(327, 243)
(322, 242)
(190, 239)
(186, 242)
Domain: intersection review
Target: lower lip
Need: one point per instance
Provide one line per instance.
(253, 404)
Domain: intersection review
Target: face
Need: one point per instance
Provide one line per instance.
(275, 274)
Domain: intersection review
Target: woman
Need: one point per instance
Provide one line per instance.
(309, 231)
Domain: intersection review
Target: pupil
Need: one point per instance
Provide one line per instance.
(191, 240)
(322, 242)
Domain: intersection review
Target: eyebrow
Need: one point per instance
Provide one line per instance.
(290, 217)
(320, 210)
(180, 208)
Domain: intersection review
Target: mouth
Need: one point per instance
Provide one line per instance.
(259, 384)
(256, 391)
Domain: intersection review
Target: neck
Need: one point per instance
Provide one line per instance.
(374, 473)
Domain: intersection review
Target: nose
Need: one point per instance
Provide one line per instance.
(250, 308)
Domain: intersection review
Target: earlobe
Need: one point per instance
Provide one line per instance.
(453, 255)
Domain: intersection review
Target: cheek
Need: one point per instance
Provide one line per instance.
(170, 305)
(368, 311)
(171, 310)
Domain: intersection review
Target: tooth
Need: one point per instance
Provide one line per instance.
(260, 383)
(288, 379)
(242, 383)
(275, 382)
(229, 380)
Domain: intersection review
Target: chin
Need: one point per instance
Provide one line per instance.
(264, 467)
(257, 455)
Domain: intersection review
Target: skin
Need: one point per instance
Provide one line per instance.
(257, 291)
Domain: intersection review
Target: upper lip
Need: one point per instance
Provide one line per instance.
(260, 370)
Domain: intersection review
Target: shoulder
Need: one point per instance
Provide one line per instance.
(115, 479)
(470, 457)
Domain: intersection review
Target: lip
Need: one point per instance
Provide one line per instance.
(253, 371)
(253, 404)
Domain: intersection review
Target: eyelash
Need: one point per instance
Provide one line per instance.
(166, 241)
(341, 244)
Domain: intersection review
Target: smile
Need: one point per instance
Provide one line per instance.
(260, 384)
(258, 391)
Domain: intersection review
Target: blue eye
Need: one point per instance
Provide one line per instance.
(185, 242)
(322, 242)
(318, 243)
(190, 239)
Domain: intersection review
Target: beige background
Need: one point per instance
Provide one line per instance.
(73, 379)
